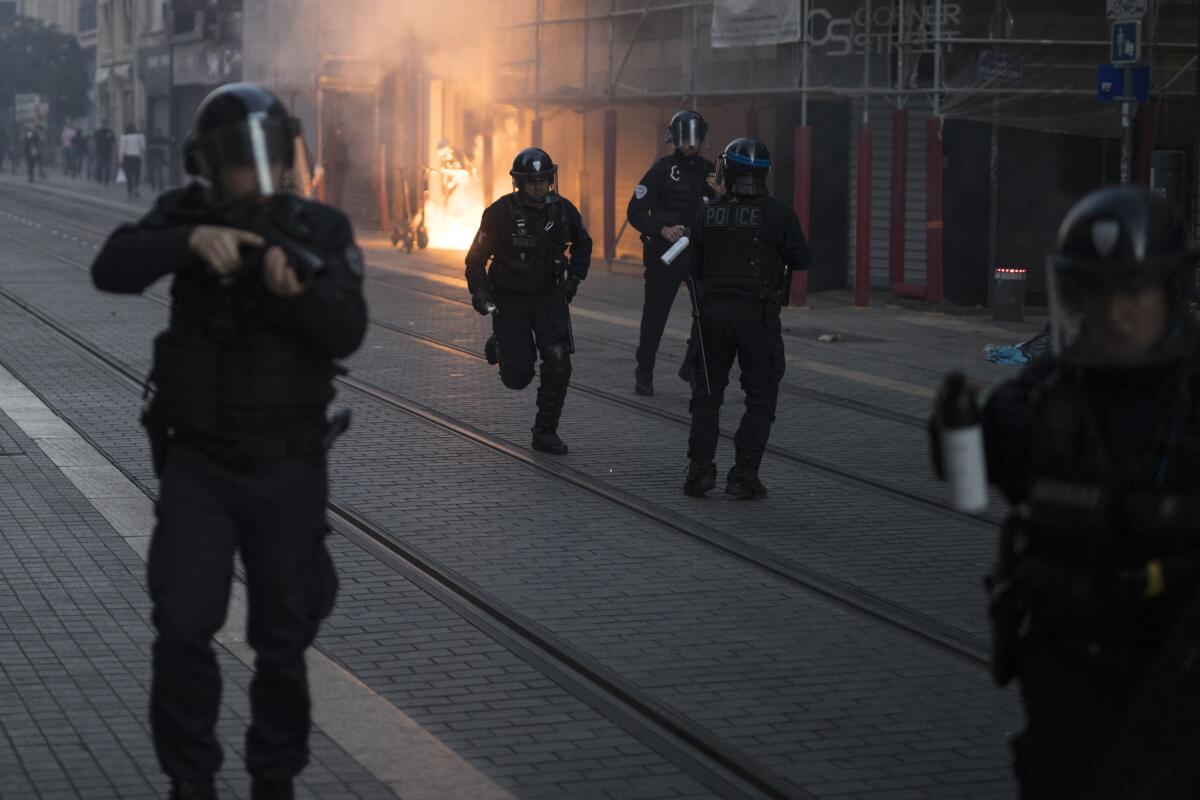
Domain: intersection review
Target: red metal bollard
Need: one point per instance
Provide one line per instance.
(610, 184)
(802, 203)
(934, 287)
(1147, 122)
(899, 197)
(862, 223)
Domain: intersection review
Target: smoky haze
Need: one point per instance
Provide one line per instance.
(286, 42)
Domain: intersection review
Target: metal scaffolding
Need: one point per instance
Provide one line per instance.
(1040, 66)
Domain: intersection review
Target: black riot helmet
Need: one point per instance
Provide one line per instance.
(533, 164)
(744, 167)
(1118, 241)
(687, 128)
(241, 124)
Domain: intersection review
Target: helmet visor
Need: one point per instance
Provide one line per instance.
(253, 145)
(1106, 314)
(688, 132)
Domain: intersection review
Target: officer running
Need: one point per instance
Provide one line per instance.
(241, 380)
(1097, 448)
(539, 252)
(744, 245)
(662, 205)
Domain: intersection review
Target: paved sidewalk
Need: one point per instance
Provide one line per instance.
(75, 639)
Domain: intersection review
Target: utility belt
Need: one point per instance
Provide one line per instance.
(244, 452)
(1101, 615)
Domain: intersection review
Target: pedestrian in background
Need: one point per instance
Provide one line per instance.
(67, 140)
(104, 143)
(133, 151)
(156, 159)
(81, 146)
(33, 152)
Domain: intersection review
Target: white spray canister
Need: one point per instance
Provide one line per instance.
(963, 461)
(680, 245)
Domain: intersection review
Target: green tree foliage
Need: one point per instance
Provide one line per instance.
(38, 59)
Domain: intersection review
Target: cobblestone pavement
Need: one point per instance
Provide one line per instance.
(842, 704)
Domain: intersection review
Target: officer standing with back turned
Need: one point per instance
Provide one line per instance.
(266, 294)
(744, 246)
(539, 251)
(1097, 447)
(661, 207)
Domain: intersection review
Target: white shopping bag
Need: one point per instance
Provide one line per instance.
(121, 175)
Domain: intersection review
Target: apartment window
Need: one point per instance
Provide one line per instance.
(87, 15)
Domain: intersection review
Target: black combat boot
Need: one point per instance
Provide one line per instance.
(547, 440)
(643, 382)
(263, 789)
(701, 476)
(545, 425)
(687, 373)
(743, 483)
(491, 350)
(200, 790)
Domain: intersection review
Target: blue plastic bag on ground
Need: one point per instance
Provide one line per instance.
(1005, 354)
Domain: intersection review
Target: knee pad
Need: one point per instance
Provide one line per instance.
(556, 364)
(515, 380)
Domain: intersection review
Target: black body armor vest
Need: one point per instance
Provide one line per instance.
(1100, 508)
(531, 258)
(220, 352)
(735, 258)
(685, 195)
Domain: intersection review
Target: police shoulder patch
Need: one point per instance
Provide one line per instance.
(640, 192)
(354, 260)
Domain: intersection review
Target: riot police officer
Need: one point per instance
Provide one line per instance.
(1095, 447)
(539, 251)
(662, 205)
(241, 380)
(744, 246)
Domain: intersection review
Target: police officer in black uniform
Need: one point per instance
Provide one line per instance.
(241, 380)
(1097, 447)
(661, 207)
(744, 246)
(539, 251)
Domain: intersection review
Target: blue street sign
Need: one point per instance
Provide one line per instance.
(1141, 83)
(1110, 83)
(996, 65)
(1126, 41)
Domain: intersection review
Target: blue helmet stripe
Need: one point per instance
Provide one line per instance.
(738, 158)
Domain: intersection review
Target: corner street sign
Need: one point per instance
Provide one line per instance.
(1126, 41)
(1126, 9)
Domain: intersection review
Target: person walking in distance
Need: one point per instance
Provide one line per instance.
(133, 152)
(105, 141)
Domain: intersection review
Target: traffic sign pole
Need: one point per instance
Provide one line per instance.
(1126, 127)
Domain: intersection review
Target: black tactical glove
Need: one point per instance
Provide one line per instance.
(568, 286)
(483, 301)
